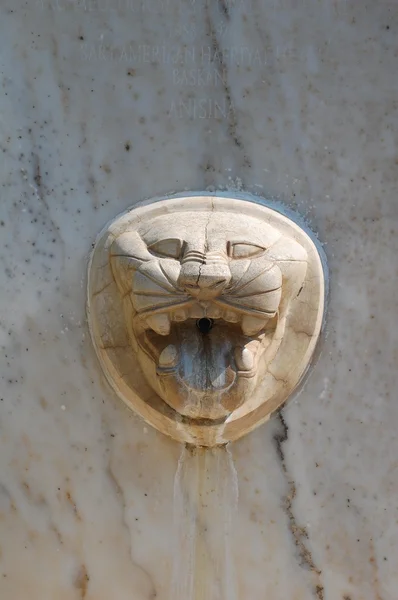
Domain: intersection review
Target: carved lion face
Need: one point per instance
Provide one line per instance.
(206, 296)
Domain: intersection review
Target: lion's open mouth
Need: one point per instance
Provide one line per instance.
(205, 348)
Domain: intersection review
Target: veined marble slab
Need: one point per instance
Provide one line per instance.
(105, 104)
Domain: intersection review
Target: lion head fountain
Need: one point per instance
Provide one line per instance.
(205, 312)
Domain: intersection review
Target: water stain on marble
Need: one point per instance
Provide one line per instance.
(106, 168)
(375, 571)
(81, 581)
(319, 592)
(57, 534)
(72, 503)
(298, 532)
(43, 402)
(232, 120)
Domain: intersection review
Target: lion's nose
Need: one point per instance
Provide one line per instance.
(208, 282)
(204, 280)
(213, 276)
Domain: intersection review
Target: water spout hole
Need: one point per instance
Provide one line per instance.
(204, 325)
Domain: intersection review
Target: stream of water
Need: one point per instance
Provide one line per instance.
(205, 503)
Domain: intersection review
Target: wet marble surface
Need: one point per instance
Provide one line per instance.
(105, 104)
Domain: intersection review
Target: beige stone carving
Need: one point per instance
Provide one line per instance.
(205, 313)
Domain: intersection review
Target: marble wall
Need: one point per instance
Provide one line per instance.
(105, 103)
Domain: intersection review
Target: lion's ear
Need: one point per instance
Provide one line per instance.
(128, 252)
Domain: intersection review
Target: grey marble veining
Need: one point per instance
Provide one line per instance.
(105, 104)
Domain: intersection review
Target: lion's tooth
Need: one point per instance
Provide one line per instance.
(213, 312)
(159, 323)
(197, 312)
(231, 316)
(244, 359)
(252, 325)
(169, 356)
(180, 315)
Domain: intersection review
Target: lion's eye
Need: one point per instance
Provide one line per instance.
(244, 250)
(167, 248)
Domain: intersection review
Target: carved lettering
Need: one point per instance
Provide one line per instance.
(201, 108)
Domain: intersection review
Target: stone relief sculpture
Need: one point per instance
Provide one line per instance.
(205, 313)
